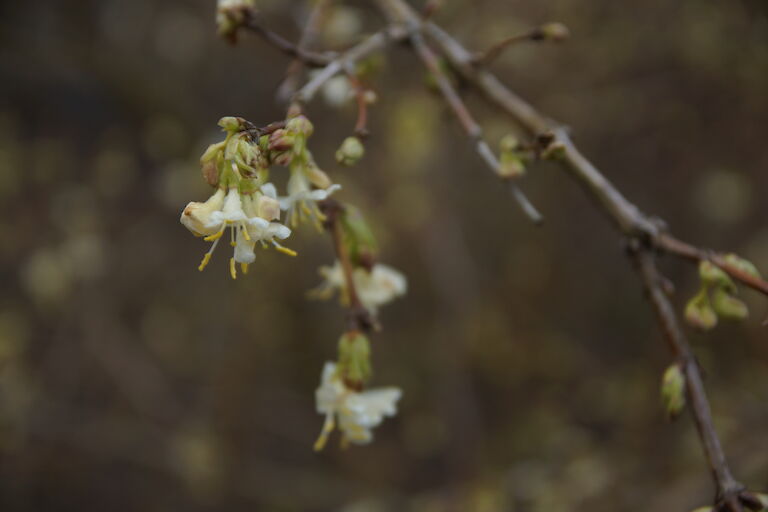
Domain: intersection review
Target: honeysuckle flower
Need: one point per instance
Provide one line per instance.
(356, 413)
(301, 201)
(381, 285)
(249, 218)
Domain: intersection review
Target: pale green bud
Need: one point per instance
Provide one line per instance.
(727, 306)
(300, 125)
(699, 312)
(711, 275)
(743, 265)
(350, 152)
(212, 152)
(509, 143)
(354, 357)
(358, 237)
(554, 32)
(230, 123)
(673, 390)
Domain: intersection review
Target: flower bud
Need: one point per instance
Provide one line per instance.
(699, 312)
(283, 158)
(743, 265)
(300, 125)
(268, 208)
(554, 32)
(280, 140)
(212, 152)
(711, 275)
(673, 390)
(350, 152)
(230, 14)
(509, 143)
(358, 238)
(210, 173)
(354, 358)
(727, 306)
(317, 177)
(231, 123)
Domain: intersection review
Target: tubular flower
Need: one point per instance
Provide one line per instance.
(380, 286)
(249, 218)
(301, 201)
(357, 413)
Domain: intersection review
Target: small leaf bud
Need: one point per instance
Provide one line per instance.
(354, 358)
(711, 275)
(699, 312)
(554, 32)
(673, 390)
(231, 123)
(743, 265)
(300, 125)
(727, 306)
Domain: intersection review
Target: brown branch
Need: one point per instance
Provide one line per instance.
(472, 129)
(307, 57)
(308, 36)
(358, 316)
(728, 489)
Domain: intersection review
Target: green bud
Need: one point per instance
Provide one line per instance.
(231, 124)
(509, 143)
(211, 152)
(699, 312)
(743, 265)
(300, 125)
(358, 237)
(727, 306)
(354, 357)
(711, 275)
(350, 152)
(673, 390)
(554, 32)
(510, 165)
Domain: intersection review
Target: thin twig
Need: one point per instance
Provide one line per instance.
(358, 316)
(308, 36)
(728, 489)
(361, 125)
(307, 57)
(471, 127)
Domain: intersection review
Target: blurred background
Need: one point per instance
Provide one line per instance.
(529, 360)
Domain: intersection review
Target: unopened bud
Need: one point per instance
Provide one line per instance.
(354, 358)
(350, 152)
(212, 152)
(231, 123)
(509, 143)
(673, 390)
(210, 173)
(358, 237)
(230, 14)
(370, 96)
(699, 312)
(711, 275)
(728, 306)
(268, 208)
(743, 265)
(317, 177)
(554, 32)
(300, 125)
(280, 140)
(283, 158)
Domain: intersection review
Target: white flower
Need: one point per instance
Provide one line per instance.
(357, 412)
(248, 217)
(381, 285)
(302, 200)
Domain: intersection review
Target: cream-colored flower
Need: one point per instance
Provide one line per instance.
(240, 213)
(380, 286)
(357, 413)
(301, 201)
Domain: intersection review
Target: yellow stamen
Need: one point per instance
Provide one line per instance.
(204, 263)
(215, 236)
(328, 427)
(232, 268)
(245, 234)
(285, 250)
(233, 244)
(244, 268)
(306, 209)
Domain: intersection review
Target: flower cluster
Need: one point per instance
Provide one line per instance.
(244, 201)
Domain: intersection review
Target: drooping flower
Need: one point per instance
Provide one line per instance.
(301, 201)
(380, 286)
(356, 413)
(249, 218)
